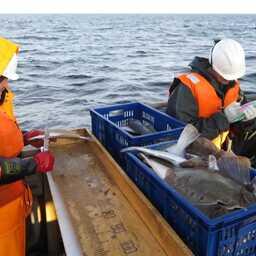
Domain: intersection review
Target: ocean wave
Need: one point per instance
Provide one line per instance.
(75, 77)
(36, 38)
(158, 84)
(75, 101)
(72, 62)
(99, 80)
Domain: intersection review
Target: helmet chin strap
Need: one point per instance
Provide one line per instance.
(2, 79)
(3, 95)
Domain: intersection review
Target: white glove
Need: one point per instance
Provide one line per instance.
(233, 112)
(249, 111)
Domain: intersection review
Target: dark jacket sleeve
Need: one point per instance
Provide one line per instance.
(15, 169)
(186, 109)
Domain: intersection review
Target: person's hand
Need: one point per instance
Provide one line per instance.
(28, 138)
(249, 111)
(44, 161)
(233, 112)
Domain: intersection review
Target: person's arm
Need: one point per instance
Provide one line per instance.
(16, 169)
(13, 169)
(28, 135)
(187, 111)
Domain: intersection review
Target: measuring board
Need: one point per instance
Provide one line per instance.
(103, 218)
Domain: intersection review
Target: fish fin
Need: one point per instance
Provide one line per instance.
(246, 197)
(236, 168)
(161, 170)
(188, 136)
(138, 126)
(212, 163)
(206, 203)
(129, 130)
(129, 149)
(145, 159)
(194, 163)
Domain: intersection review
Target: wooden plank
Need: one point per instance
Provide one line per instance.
(103, 218)
(165, 235)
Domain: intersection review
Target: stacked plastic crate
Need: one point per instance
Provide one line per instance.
(233, 234)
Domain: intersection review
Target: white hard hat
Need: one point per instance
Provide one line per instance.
(228, 59)
(10, 71)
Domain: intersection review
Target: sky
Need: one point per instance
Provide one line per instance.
(128, 6)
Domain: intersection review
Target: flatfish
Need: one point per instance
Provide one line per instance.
(210, 191)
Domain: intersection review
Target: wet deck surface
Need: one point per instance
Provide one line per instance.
(103, 219)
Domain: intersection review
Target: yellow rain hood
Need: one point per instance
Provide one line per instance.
(7, 50)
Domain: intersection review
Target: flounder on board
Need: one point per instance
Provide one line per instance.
(137, 127)
(216, 188)
(208, 190)
(204, 155)
(175, 153)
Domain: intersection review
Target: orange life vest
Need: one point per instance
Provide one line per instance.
(11, 138)
(207, 99)
(205, 95)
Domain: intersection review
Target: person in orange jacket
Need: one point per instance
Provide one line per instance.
(15, 195)
(209, 97)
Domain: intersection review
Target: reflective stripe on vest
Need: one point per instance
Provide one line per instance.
(207, 99)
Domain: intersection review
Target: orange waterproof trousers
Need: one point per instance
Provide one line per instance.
(12, 222)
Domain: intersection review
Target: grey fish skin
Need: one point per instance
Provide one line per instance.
(171, 158)
(129, 130)
(175, 154)
(212, 193)
(195, 162)
(206, 189)
(232, 166)
(203, 147)
(138, 127)
(236, 168)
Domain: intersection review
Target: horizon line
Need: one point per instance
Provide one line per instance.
(129, 13)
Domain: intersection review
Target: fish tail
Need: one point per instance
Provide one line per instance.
(188, 136)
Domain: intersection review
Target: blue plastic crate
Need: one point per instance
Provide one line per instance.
(107, 123)
(233, 234)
